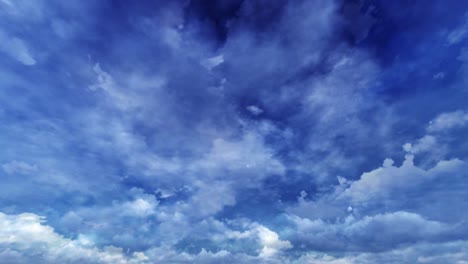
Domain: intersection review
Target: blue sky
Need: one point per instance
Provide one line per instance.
(255, 131)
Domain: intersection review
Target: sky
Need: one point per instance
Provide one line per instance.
(234, 131)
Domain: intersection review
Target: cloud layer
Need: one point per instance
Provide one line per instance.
(233, 132)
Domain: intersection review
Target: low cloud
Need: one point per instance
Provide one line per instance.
(25, 239)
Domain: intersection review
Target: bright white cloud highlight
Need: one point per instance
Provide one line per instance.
(25, 239)
(271, 243)
(448, 121)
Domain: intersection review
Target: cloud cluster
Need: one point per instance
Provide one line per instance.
(236, 132)
(25, 239)
(388, 208)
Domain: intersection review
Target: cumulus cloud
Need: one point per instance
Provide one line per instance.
(388, 188)
(446, 121)
(271, 242)
(140, 206)
(24, 239)
(370, 233)
(388, 181)
(206, 256)
(425, 143)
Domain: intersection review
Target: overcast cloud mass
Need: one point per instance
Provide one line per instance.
(234, 131)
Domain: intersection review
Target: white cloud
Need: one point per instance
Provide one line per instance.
(25, 239)
(381, 181)
(210, 198)
(248, 159)
(427, 143)
(424, 144)
(172, 38)
(128, 94)
(19, 167)
(7, 2)
(121, 223)
(448, 121)
(63, 28)
(142, 206)
(169, 255)
(104, 79)
(352, 233)
(165, 193)
(430, 253)
(388, 163)
(439, 76)
(316, 258)
(390, 186)
(458, 34)
(271, 244)
(212, 62)
(118, 97)
(341, 180)
(16, 48)
(254, 110)
(23, 10)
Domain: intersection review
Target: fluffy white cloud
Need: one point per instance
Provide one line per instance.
(271, 244)
(448, 121)
(210, 198)
(247, 160)
(430, 253)
(25, 239)
(424, 144)
(254, 110)
(369, 233)
(169, 255)
(141, 206)
(406, 203)
(120, 223)
(384, 180)
(264, 245)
